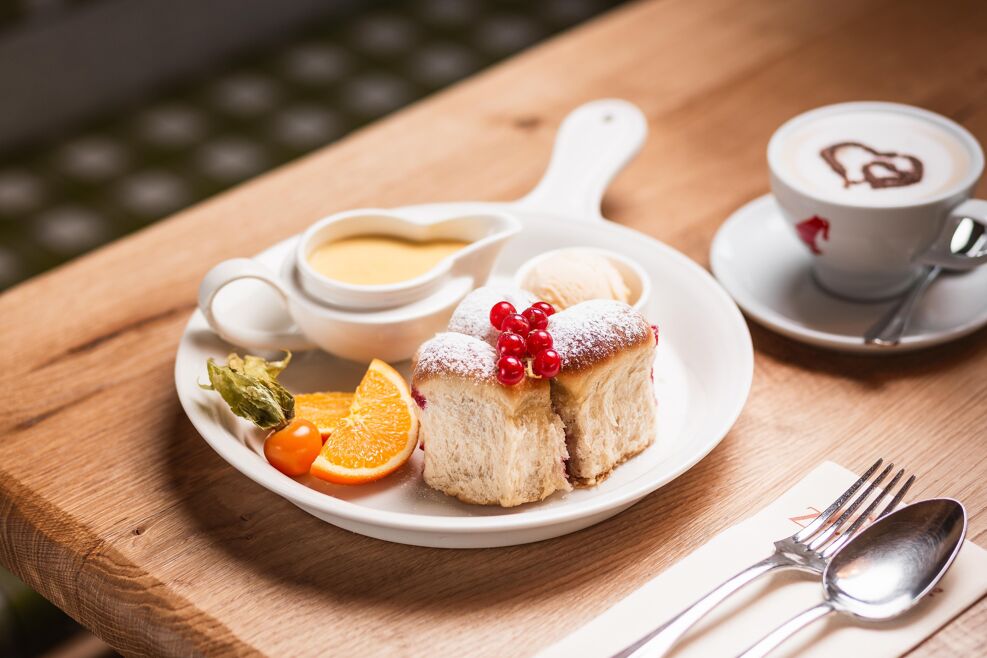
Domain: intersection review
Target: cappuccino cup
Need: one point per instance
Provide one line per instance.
(874, 191)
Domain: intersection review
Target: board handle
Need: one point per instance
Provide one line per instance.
(594, 142)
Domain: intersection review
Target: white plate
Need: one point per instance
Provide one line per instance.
(703, 367)
(758, 259)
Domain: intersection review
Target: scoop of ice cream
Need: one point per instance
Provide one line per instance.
(570, 276)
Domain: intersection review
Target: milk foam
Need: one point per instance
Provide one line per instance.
(946, 159)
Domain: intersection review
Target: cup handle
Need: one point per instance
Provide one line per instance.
(594, 142)
(246, 268)
(941, 254)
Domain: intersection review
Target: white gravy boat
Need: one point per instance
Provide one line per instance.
(359, 321)
(390, 322)
(485, 234)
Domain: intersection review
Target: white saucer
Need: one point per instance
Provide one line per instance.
(758, 259)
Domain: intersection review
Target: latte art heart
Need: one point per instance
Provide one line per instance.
(858, 163)
(872, 155)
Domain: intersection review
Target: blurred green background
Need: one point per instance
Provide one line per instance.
(88, 179)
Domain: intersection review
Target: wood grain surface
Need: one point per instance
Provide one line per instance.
(115, 509)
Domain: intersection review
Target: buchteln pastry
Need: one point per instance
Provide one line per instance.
(605, 390)
(485, 443)
(510, 416)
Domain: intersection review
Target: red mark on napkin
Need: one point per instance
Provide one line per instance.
(805, 519)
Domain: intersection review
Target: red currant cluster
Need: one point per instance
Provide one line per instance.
(524, 345)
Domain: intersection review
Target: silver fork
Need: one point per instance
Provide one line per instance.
(809, 549)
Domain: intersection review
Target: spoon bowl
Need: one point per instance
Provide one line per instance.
(895, 562)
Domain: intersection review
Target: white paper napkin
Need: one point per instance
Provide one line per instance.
(755, 610)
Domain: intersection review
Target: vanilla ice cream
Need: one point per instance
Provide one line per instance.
(570, 276)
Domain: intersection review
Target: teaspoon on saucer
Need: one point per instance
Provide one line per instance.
(972, 239)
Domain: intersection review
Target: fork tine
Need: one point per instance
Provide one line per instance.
(814, 527)
(897, 497)
(828, 533)
(855, 526)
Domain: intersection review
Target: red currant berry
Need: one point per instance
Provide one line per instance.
(510, 370)
(538, 340)
(544, 307)
(536, 318)
(654, 328)
(516, 323)
(547, 363)
(511, 344)
(500, 311)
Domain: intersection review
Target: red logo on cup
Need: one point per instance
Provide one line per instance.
(810, 230)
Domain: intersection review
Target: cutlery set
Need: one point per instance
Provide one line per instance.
(873, 566)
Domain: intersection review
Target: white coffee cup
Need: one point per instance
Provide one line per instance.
(875, 190)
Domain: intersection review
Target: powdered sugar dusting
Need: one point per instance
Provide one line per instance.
(591, 331)
(472, 316)
(456, 354)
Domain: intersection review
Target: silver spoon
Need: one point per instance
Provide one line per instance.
(970, 238)
(886, 569)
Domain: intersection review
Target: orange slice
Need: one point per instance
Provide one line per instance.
(377, 436)
(323, 409)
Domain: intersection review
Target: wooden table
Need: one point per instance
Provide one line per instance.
(115, 509)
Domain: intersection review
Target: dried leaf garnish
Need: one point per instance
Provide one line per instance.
(249, 385)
